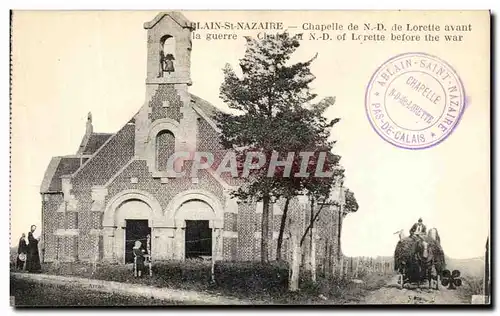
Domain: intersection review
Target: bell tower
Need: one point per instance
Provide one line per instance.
(166, 123)
(169, 49)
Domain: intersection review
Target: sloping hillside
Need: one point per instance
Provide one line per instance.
(473, 267)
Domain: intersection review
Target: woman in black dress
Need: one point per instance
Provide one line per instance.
(33, 258)
(22, 250)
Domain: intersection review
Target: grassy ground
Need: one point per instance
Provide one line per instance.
(471, 285)
(324, 291)
(342, 290)
(31, 294)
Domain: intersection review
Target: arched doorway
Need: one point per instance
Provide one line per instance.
(135, 211)
(195, 205)
(196, 216)
(134, 216)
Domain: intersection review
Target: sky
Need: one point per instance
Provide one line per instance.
(66, 64)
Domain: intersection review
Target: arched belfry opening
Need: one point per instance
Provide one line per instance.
(167, 55)
(169, 49)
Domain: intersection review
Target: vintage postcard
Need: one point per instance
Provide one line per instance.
(250, 158)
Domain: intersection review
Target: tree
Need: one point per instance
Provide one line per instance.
(319, 193)
(269, 98)
(351, 205)
(312, 123)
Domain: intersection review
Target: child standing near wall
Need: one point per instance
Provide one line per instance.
(138, 259)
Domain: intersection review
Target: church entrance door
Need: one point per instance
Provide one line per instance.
(198, 241)
(136, 229)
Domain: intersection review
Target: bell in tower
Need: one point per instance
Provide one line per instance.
(169, 63)
(166, 63)
(169, 105)
(169, 49)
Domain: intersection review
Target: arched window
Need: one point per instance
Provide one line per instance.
(165, 147)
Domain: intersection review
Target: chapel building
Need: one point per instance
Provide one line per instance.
(116, 189)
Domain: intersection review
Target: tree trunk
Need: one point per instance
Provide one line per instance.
(295, 271)
(339, 254)
(313, 255)
(311, 223)
(329, 263)
(341, 272)
(325, 256)
(264, 240)
(356, 272)
(282, 230)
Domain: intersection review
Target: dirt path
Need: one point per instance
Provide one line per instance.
(191, 297)
(391, 293)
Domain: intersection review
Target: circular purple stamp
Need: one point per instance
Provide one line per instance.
(414, 100)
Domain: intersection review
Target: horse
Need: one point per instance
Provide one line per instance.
(425, 261)
(433, 233)
(439, 256)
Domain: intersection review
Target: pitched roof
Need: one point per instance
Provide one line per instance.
(58, 167)
(95, 141)
(91, 143)
(176, 16)
(204, 105)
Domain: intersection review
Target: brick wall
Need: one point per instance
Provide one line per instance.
(68, 248)
(71, 220)
(230, 242)
(118, 151)
(165, 95)
(230, 222)
(208, 141)
(327, 230)
(50, 204)
(56, 217)
(249, 228)
(230, 249)
(246, 229)
(163, 192)
(107, 161)
(104, 165)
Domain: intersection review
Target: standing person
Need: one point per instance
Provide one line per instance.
(22, 250)
(139, 258)
(33, 258)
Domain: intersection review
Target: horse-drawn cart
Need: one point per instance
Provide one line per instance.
(419, 259)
